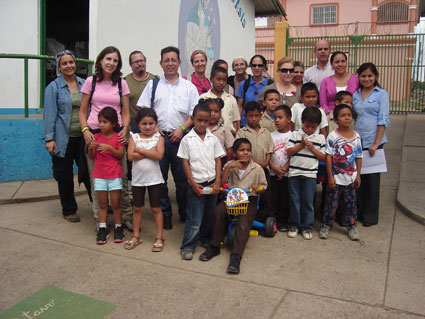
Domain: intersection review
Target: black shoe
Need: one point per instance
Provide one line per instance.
(211, 252)
(366, 224)
(283, 227)
(234, 264)
(119, 234)
(167, 223)
(183, 219)
(102, 236)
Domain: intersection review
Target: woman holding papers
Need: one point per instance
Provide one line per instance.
(372, 106)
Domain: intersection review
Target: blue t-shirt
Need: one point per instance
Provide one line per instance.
(252, 93)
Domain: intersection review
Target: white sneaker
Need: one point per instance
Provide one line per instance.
(292, 233)
(308, 235)
(353, 234)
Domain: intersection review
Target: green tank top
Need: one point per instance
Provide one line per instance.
(74, 127)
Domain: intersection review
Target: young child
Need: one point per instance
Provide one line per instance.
(107, 151)
(343, 164)
(201, 152)
(342, 97)
(216, 127)
(309, 98)
(306, 148)
(145, 150)
(262, 148)
(270, 102)
(230, 112)
(220, 63)
(244, 173)
(279, 165)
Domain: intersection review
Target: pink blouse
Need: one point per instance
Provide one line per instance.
(328, 91)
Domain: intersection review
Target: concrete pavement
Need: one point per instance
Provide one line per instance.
(379, 277)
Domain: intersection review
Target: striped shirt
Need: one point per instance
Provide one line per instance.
(304, 163)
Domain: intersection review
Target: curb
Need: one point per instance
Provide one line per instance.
(35, 199)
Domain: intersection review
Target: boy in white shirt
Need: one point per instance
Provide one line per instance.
(200, 151)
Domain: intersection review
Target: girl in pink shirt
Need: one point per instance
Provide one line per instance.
(107, 151)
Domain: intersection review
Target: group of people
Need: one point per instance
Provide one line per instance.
(277, 139)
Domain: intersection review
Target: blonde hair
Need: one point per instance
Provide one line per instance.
(285, 59)
(237, 58)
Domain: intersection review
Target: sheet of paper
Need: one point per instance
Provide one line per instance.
(375, 164)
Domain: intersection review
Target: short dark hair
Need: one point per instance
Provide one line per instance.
(270, 91)
(146, 112)
(237, 143)
(285, 109)
(217, 64)
(109, 113)
(263, 59)
(298, 63)
(116, 75)
(340, 107)
(170, 49)
(201, 107)
(341, 94)
(335, 54)
(209, 101)
(218, 70)
(133, 53)
(309, 86)
(252, 106)
(311, 114)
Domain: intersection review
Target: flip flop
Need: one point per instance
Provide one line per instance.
(131, 244)
(158, 247)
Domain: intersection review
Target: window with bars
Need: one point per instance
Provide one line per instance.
(324, 14)
(394, 11)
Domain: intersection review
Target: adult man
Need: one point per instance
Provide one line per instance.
(137, 81)
(174, 101)
(323, 68)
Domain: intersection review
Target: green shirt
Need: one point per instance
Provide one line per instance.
(74, 127)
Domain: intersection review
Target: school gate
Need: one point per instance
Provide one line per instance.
(399, 59)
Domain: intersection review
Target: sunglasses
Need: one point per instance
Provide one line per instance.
(257, 65)
(64, 52)
(284, 70)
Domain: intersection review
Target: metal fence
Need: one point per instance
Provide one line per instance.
(42, 79)
(399, 59)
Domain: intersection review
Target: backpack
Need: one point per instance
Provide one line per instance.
(155, 82)
(248, 81)
(93, 86)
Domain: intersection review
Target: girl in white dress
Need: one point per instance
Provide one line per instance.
(145, 150)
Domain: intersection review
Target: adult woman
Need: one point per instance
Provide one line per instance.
(340, 81)
(239, 65)
(289, 95)
(254, 85)
(106, 88)
(372, 106)
(298, 74)
(62, 130)
(198, 78)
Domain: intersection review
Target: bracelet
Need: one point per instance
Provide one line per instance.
(85, 128)
(183, 128)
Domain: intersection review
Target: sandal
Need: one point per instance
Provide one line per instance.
(131, 244)
(158, 247)
(74, 218)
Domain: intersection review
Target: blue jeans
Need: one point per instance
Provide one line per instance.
(198, 208)
(170, 159)
(301, 202)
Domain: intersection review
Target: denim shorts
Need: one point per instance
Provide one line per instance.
(101, 184)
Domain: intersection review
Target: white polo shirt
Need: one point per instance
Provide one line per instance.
(173, 103)
(201, 155)
(316, 75)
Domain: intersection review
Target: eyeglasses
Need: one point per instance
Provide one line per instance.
(257, 65)
(284, 70)
(138, 61)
